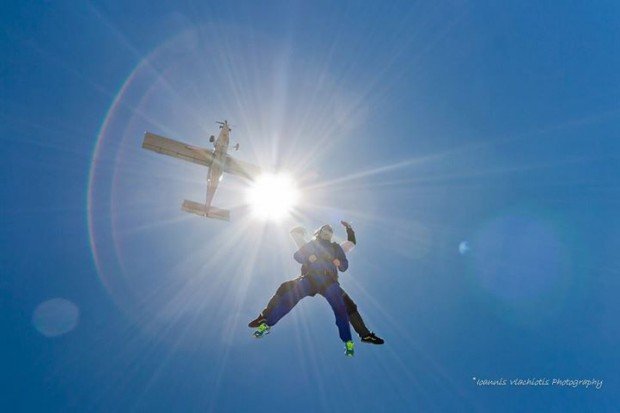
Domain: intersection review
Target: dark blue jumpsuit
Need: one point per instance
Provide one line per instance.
(319, 277)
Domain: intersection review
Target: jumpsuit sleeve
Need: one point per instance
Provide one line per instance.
(340, 255)
(301, 255)
(351, 235)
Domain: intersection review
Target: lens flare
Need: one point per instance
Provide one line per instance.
(272, 197)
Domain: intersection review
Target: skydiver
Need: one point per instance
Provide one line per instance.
(321, 260)
(355, 318)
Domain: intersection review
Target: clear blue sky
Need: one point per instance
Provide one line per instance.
(493, 126)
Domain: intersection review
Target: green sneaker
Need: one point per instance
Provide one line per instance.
(348, 348)
(262, 330)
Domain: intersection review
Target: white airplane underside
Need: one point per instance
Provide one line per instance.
(218, 158)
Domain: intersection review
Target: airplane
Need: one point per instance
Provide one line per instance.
(217, 160)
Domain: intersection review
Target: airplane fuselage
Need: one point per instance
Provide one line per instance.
(217, 167)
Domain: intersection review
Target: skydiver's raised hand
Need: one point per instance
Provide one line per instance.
(350, 233)
(336, 262)
(299, 230)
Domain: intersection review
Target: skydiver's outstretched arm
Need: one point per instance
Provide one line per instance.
(341, 259)
(349, 244)
(350, 232)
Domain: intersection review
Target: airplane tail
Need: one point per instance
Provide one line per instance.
(210, 212)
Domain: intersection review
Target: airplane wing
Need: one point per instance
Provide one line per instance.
(240, 168)
(177, 149)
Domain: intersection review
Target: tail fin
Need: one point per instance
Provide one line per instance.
(202, 210)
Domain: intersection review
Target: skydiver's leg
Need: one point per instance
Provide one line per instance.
(333, 294)
(282, 289)
(357, 322)
(354, 317)
(302, 288)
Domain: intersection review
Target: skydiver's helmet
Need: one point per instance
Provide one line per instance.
(325, 233)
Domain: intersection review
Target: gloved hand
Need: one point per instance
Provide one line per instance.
(299, 230)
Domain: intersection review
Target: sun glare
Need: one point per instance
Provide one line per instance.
(272, 196)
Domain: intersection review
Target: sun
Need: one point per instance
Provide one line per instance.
(272, 196)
